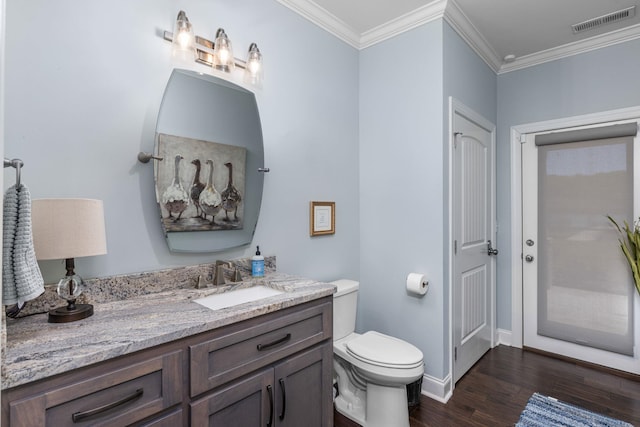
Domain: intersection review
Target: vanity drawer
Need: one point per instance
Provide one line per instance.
(115, 398)
(222, 359)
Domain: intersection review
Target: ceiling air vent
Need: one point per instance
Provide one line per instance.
(609, 18)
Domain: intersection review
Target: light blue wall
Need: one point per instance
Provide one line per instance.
(600, 80)
(401, 170)
(468, 79)
(84, 81)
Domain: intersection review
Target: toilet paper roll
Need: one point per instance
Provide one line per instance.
(417, 284)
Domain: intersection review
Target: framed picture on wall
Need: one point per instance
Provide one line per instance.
(322, 218)
(200, 185)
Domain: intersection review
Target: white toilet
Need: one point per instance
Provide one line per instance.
(372, 370)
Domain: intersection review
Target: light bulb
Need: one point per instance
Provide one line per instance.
(254, 67)
(184, 39)
(223, 54)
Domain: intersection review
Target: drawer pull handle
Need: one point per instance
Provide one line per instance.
(270, 390)
(284, 400)
(274, 343)
(79, 416)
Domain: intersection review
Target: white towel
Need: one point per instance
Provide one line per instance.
(21, 277)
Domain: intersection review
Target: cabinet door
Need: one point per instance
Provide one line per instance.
(247, 402)
(303, 389)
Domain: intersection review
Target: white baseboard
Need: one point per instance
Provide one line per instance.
(504, 337)
(436, 388)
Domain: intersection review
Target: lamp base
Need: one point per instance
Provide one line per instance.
(64, 314)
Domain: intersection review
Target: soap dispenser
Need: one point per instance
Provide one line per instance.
(257, 264)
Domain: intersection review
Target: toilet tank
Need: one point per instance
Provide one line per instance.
(345, 304)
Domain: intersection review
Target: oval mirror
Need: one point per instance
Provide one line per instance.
(208, 185)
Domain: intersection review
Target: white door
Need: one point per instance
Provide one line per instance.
(571, 259)
(473, 234)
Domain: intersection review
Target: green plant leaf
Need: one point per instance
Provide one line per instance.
(630, 246)
(614, 223)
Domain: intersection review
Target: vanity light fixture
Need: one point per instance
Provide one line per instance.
(217, 54)
(67, 229)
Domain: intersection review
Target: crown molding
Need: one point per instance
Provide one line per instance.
(453, 14)
(432, 11)
(325, 20)
(470, 34)
(406, 22)
(575, 48)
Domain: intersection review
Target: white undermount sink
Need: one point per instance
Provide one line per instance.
(237, 297)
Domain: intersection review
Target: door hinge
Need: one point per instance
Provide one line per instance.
(455, 354)
(455, 247)
(523, 138)
(455, 139)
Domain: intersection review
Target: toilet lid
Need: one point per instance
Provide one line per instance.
(383, 350)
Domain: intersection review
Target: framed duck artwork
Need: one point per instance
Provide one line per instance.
(200, 185)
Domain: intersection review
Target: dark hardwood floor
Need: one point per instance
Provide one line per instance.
(495, 391)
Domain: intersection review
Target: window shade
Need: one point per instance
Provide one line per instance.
(614, 131)
(585, 289)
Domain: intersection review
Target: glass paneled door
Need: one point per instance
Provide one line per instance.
(578, 294)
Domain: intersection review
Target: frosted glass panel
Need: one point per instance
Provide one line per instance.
(585, 290)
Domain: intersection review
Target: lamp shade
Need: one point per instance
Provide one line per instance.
(253, 71)
(223, 52)
(68, 228)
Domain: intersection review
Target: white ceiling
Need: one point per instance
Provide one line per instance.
(534, 31)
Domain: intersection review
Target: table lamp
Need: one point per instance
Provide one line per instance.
(67, 229)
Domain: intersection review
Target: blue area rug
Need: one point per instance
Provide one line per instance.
(543, 411)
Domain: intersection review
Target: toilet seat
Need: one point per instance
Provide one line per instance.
(382, 350)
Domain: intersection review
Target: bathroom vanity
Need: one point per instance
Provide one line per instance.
(163, 360)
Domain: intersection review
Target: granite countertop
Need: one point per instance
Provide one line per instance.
(36, 349)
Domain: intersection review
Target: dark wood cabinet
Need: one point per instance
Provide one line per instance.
(295, 392)
(229, 356)
(271, 370)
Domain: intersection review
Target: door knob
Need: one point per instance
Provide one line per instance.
(529, 258)
(490, 250)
